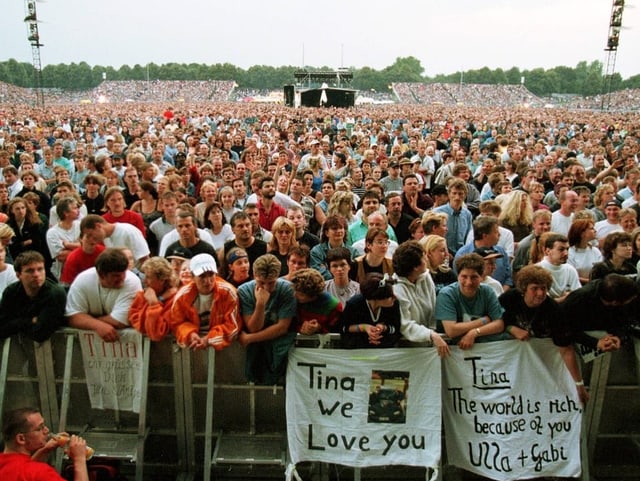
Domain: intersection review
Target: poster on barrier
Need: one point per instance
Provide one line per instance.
(367, 407)
(511, 411)
(113, 370)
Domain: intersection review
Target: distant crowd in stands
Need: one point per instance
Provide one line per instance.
(254, 223)
(474, 95)
(411, 93)
(119, 91)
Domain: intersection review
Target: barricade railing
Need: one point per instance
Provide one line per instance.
(43, 374)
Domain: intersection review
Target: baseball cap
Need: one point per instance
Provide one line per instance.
(179, 252)
(203, 263)
(488, 253)
(612, 203)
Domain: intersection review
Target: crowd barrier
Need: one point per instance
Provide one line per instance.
(198, 415)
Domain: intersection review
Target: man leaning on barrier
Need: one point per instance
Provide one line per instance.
(469, 309)
(205, 311)
(28, 445)
(99, 298)
(267, 304)
(601, 313)
(34, 305)
(530, 312)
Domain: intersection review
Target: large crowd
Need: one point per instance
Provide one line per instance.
(119, 91)
(228, 222)
(473, 95)
(410, 93)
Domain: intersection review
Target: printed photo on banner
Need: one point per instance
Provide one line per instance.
(388, 397)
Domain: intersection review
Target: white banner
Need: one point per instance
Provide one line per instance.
(367, 407)
(511, 411)
(113, 370)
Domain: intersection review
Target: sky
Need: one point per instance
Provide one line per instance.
(445, 35)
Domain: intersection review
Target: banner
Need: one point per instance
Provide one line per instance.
(113, 370)
(364, 407)
(511, 411)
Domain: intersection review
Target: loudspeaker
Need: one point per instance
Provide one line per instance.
(289, 95)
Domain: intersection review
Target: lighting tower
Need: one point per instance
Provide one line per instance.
(613, 40)
(31, 20)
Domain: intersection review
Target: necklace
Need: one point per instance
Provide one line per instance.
(375, 317)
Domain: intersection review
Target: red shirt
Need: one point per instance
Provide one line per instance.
(129, 217)
(267, 219)
(20, 467)
(78, 261)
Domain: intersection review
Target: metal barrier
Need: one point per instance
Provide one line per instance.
(244, 424)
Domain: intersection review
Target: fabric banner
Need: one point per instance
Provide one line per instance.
(364, 407)
(113, 370)
(511, 411)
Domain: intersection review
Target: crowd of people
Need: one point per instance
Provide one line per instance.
(253, 224)
(476, 95)
(410, 93)
(119, 91)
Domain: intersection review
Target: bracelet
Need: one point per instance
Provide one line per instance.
(508, 329)
(478, 331)
(579, 383)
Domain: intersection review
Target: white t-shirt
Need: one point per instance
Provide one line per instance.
(173, 236)
(129, 236)
(604, 228)
(565, 278)
(7, 276)
(560, 223)
(86, 295)
(56, 235)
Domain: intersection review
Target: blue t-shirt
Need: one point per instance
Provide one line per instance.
(281, 303)
(451, 305)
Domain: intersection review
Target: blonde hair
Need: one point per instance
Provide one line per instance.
(282, 223)
(513, 212)
(336, 205)
(160, 268)
(430, 243)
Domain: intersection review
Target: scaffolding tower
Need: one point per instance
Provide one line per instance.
(613, 40)
(31, 20)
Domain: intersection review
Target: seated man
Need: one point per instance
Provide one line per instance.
(99, 298)
(267, 304)
(205, 311)
(34, 305)
(469, 309)
(318, 311)
(27, 446)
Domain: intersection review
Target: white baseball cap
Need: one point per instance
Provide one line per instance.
(203, 263)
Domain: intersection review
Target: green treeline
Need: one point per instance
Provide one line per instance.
(583, 79)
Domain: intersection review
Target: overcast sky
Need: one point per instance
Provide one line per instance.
(445, 35)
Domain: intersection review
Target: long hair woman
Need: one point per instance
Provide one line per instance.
(582, 253)
(30, 232)
(375, 258)
(517, 215)
(437, 256)
(283, 240)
